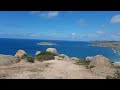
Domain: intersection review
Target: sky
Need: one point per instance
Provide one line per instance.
(60, 25)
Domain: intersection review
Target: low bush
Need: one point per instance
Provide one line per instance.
(45, 56)
(83, 62)
(30, 59)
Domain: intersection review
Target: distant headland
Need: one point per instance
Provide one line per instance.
(114, 44)
(46, 43)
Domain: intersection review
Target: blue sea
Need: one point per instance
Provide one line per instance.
(78, 49)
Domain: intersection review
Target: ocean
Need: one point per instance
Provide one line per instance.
(78, 49)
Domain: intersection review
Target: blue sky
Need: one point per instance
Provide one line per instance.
(60, 25)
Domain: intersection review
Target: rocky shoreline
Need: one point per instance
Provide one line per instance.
(96, 67)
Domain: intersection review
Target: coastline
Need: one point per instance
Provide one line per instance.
(115, 51)
(98, 45)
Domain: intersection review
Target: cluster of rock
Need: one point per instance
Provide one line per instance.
(21, 54)
(65, 57)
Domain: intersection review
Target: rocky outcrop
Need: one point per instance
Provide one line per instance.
(67, 58)
(100, 61)
(21, 54)
(38, 52)
(100, 65)
(52, 50)
(8, 60)
(62, 57)
(58, 58)
(75, 58)
(88, 58)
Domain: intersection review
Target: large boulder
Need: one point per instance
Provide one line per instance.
(100, 61)
(8, 59)
(58, 58)
(75, 58)
(21, 54)
(88, 58)
(62, 57)
(38, 52)
(67, 58)
(52, 50)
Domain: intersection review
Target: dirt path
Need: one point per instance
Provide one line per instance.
(53, 69)
(67, 70)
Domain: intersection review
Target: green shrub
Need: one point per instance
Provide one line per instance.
(112, 62)
(83, 62)
(45, 56)
(30, 59)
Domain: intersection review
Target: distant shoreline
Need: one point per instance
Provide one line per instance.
(115, 45)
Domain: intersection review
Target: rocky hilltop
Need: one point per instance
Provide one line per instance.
(58, 66)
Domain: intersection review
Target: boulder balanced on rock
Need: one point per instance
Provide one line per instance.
(52, 50)
(21, 54)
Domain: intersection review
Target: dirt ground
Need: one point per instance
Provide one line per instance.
(52, 69)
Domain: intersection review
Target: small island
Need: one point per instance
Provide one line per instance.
(46, 43)
(114, 44)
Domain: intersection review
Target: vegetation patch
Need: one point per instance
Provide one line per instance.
(30, 59)
(45, 56)
(84, 63)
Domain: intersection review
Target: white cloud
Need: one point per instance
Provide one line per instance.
(53, 13)
(91, 34)
(115, 19)
(34, 12)
(99, 32)
(47, 14)
(82, 22)
(102, 26)
(34, 35)
(73, 34)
